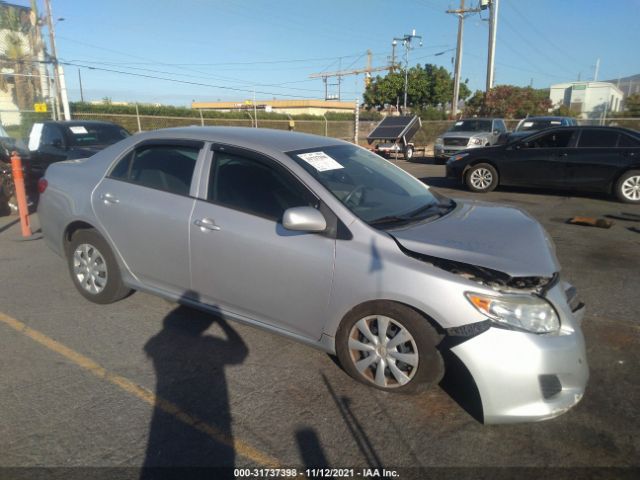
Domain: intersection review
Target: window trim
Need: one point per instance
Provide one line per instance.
(197, 144)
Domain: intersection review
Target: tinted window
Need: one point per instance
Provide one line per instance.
(558, 139)
(162, 167)
(628, 141)
(259, 187)
(95, 134)
(598, 138)
(52, 135)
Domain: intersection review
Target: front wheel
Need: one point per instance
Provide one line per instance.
(390, 347)
(628, 187)
(94, 269)
(481, 178)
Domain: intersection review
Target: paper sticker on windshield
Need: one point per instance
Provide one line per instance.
(555, 122)
(320, 161)
(459, 124)
(79, 130)
(527, 124)
(34, 136)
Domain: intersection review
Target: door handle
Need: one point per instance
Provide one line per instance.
(206, 224)
(109, 198)
(563, 154)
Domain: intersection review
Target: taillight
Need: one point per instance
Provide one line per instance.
(42, 185)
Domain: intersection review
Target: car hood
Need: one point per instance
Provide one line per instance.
(464, 134)
(495, 237)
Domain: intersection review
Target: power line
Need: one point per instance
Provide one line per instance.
(185, 82)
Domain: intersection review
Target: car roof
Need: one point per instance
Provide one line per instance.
(73, 123)
(546, 117)
(259, 139)
(479, 118)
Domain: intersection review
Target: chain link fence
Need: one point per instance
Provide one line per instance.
(22, 122)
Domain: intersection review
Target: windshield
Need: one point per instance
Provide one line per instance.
(372, 188)
(537, 124)
(95, 134)
(471, 126)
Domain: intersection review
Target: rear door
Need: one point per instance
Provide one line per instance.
(144, 206)
(597, 160)
(538, 161)
(244, 261)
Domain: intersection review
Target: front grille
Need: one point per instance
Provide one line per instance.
(456, 141)
(550, 385)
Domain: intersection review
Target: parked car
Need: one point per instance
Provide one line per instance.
(469, 133)
(595, 159)
(55, 141)
(331, 245)
(530, 125)
(8, 201)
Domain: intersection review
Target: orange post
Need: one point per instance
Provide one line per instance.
(21, 193)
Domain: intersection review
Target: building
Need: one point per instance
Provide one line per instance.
(288, 107)
(591, 100)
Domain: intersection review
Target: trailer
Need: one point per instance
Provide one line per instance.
(393, 135)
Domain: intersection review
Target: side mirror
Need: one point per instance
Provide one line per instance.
(304, 219)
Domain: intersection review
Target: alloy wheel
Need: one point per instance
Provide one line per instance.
(481, 178)
(383, 351)
(90, 268)
(631, 188)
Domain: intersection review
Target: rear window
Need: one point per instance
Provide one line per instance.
(89, 135)
(598, 138)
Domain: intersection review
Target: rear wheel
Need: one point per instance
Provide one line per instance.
(628, 187)
(481, 177)
(390, 347)
(94, 269)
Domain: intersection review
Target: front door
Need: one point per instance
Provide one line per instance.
(244, 261)
(538, 161)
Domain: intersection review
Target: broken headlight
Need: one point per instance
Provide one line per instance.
(522, 312)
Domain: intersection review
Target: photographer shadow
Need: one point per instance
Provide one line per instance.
(191, 423)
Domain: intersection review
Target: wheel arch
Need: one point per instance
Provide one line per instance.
(432, 321)
(473, 163)
(619, 175)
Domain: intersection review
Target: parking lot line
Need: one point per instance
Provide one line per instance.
(144, 394)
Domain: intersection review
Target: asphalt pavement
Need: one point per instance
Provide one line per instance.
(143, 382)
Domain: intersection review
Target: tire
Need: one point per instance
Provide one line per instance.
(361, 354)
(481, 178)
(628, 187)
(408, 153)
(90, 257)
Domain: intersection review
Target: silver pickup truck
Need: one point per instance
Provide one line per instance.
(469, 133)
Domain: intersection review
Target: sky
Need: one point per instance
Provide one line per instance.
(210, 50)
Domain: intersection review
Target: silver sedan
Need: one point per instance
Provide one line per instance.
(328, 244)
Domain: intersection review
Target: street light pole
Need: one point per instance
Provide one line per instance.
(406, 42)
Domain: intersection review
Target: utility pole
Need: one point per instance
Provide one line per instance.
(493, 28)
(406, 43)
(597, 70)
(343, 73)
(80, 81)
(58, 74)
(461, 13)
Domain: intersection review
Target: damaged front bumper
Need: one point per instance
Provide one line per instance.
(523, 377)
